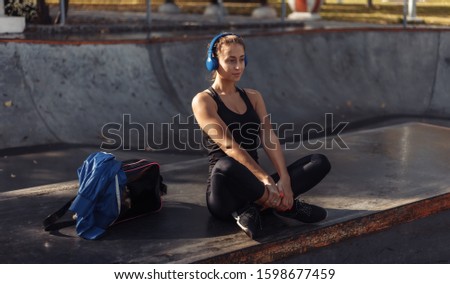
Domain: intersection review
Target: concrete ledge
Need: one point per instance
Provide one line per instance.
(304, 16)
(169, 8)
(304, 242)
(40, 190)
(12, 24)
(264, 12)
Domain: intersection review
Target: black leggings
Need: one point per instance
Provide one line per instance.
(232, 186)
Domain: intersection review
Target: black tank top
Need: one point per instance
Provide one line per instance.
(244, 128)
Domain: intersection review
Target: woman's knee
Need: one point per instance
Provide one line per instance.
(311, 164)
(321, 162)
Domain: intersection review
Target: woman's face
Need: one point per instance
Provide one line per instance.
(231, 62)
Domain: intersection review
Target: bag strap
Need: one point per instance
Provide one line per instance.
(50, 222)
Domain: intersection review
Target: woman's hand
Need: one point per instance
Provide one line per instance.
(274, 197)
(284, 187)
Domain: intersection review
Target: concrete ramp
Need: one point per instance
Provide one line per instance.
(67, 92)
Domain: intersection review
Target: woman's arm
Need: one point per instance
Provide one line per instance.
(272, 147)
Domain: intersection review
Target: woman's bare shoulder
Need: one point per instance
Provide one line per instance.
(254, 95)
(202, 99)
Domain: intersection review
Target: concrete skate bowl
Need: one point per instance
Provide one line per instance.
(89, 92)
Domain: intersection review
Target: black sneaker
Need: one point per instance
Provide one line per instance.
(302, 212)
(249, 221)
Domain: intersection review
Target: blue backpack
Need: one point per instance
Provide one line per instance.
(110, 191)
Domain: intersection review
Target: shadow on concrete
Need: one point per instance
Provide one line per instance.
(177, 220)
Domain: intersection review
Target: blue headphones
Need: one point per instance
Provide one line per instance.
(211, 62)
